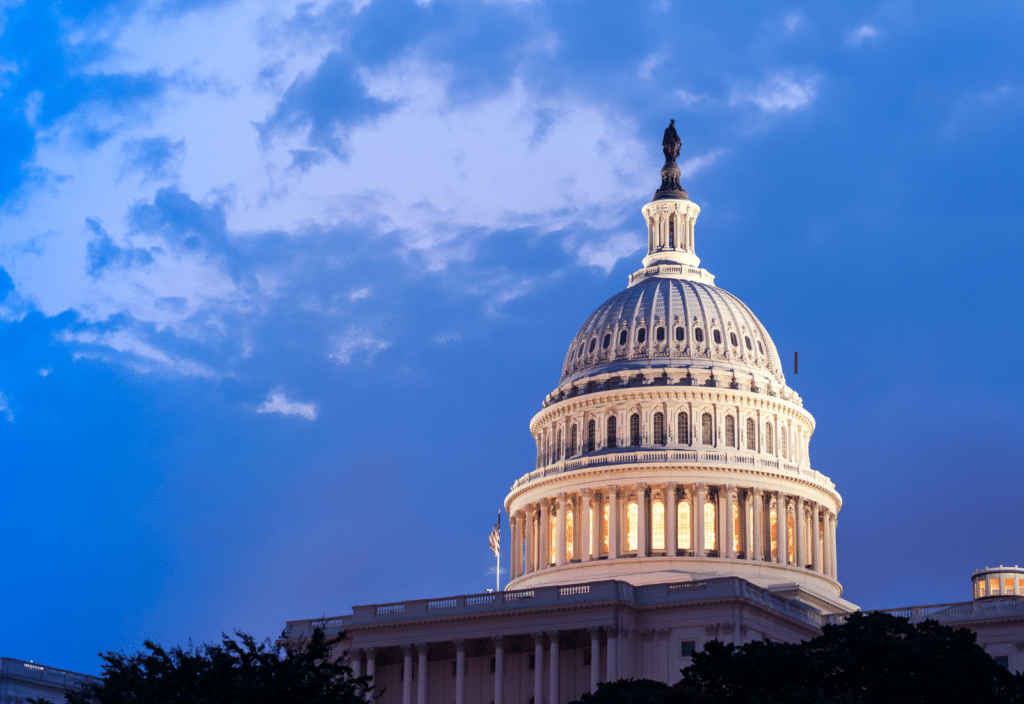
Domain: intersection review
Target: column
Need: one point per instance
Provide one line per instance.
(783, 533)
(699, 498)
(641, 520)
(560, 530)
(671, 521)
(371, 665)
(584, 521)
(723, 521)
(544, 555)
(663, 659)
(612, 669)
(613, 522)
(499, 670)
(730, 524)
(798, 530)
(355, 661)
(460, 671)
(553, 688)
(832, 521)
(595, 658)
(421, 674)
(538, 667)
(758, 525)
(406, 674)
(530, 540)
(826, 552)
(748, 532)
(815, 538)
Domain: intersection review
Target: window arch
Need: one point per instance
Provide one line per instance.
(631, 522)
(659, 428)
(683, 525)
(683, 428)
(634, 429)
(612, 435)
(569, 534)
(572, 440)
(751, 434)
(730, 431)
(591, 435)
(710, 522)
(558, 445)
(705, 428)
(768, 438)
(658, 525)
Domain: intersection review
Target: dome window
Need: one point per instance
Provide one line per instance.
(659, 334)
(634, 429)
(641, 336)
(593, 344)
(759, 348)
(698, 335)
(607, 340)
(612, 434)
(623, 336)
(579, 352)
(680, 334)
(746, 338)
(714, 333)
(733, 340)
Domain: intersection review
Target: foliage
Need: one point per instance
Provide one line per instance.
(228, 673)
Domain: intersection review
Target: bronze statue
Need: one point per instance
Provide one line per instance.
(671, 144)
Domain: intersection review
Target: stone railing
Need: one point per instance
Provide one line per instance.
(961, 610)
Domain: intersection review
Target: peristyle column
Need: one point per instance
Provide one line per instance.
(641, 520)
(553, 688)
(421, 674)
(406, 674)
(612, 670)
(758, 525)
(544, 555)
(355, 661)
(613, 522)
(783, 532)
(499, 669)
(460, 671)
(560, 531)
(671, 520)
(832, 521)
(798, 529)
(815, 537)
(584, 521)
(700, 497)
(371, 664)
(595, 658)
(730, 524)
(538, 667)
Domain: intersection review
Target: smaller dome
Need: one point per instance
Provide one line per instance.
(672, 323)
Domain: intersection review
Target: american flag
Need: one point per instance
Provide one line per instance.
(495, 538)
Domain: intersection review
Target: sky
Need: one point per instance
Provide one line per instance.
(282, 283)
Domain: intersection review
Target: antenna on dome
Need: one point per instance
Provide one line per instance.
(671, 145)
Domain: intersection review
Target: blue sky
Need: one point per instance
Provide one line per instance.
(284, 282)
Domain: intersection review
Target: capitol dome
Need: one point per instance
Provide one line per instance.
(672, 448)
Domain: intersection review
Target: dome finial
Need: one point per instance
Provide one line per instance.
(670, 144)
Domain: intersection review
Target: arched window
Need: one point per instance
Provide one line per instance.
(631, 520)
(733, 340)
(759, 348)
(622, 337)
(591, 435)
(680, 334)
(714, 333)
(782, 442)
(768, 438)
(593, 344)
(710, 522)
(604, 528)
(612, 436)
(572, 440)
(552, 538)
(746, 339)
(683, 428)
(730, 431)
(558, 445)
(569, 542)
(705, 428)
(579, 352)
(790, 540)
(736, 533)
(774, 537)
(683, 525)
(641, 336)
(672, 233)
(698, 335)
(659, 334)
(751, 434)
(658, 525)
(607, 341)
(659, 428)
(634, 429)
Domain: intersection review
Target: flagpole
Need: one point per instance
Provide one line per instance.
(497, 571)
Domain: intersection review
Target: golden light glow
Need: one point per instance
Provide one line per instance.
(774, 517)
(604, 528)
(658, 526)
(586, 548)
(631, 518)
(993, 586)
(1009, 585)
(709, 525)
(683, 525)
(552, 538)
(569, 542)
(790, 541)
(736, 528)
(981, 588)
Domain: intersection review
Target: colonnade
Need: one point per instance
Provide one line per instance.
(672, 520)
(550, 682)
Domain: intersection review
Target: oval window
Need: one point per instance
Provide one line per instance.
(579, 352)
(680, 334)
(623, 336)
(641, 336)
(607, 340)
(593, 344)
(746, 338)
(718, 337)
(733, 340)
(660, 334)
(759, 348)
(698, 335)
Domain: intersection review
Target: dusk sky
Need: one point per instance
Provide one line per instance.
(284, 282)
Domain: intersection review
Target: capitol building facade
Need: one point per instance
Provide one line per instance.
(672, 502)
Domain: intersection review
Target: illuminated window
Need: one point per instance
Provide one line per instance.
(604, 528)
(552, 537)
(659, 334)
(623, 336)
(634, 429)
(709, 525)
(715, 334)
(683, 428)
(730, 431)
(1008, 582)
(774, 518)
(782, 442)
(733, 340)
(591, 435)
(657, 526)
(612, 436)
(631, 520)
(680, 334)
(569, 542)
(1020, 585)
(790, 541)
(981, 587)
(993, 586)
(768, 438)
(698, 335)
(641, 336)
(607, 341)
(659, 428)
(572, 440)
(683, 525)
(736, 528)
(590, 522)
(558, 445)
(751, 434)
(705, 428)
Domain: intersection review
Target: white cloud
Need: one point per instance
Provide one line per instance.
(792, 21)
(355, 342)
(779, 93)
(689, 99)
(694, 164)
(45, 371)
(5, 407)
(647, 66)
(277, 402)
(607, 252)
(360, 293)
(856, 36)
(142, 356)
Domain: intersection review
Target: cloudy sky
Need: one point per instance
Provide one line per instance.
(284, 282)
